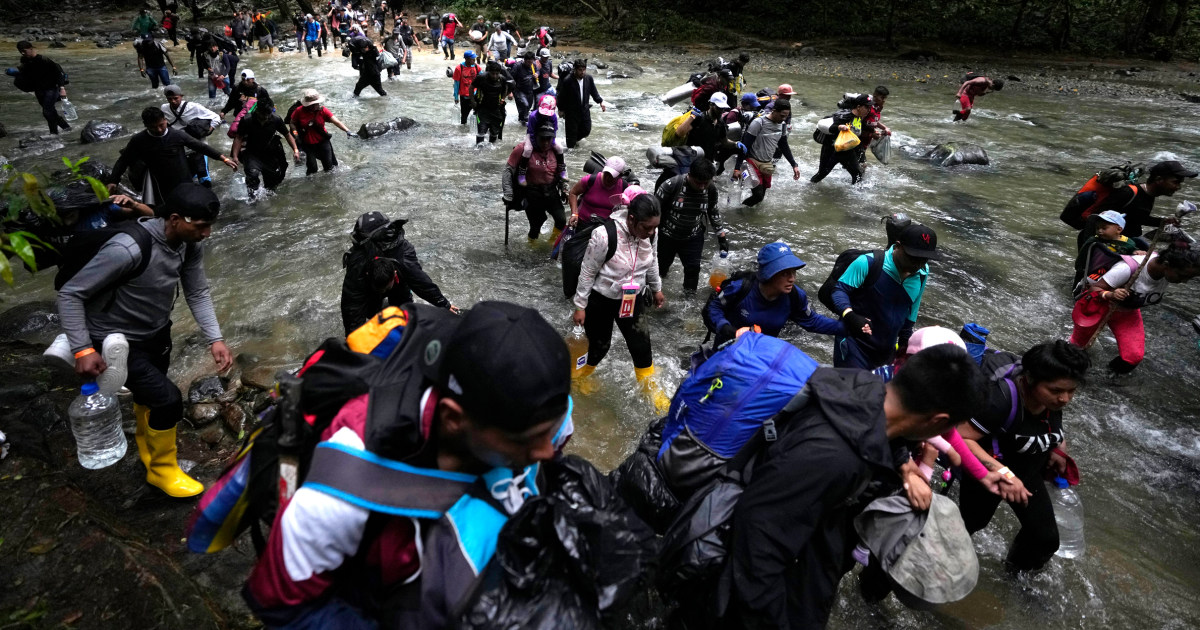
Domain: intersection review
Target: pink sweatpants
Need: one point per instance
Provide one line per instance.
(1126, 326)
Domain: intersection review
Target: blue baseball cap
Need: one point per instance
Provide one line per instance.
(470, 54)
(776, 257)
(749, 100)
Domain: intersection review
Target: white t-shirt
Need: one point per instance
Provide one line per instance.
(1147, 290)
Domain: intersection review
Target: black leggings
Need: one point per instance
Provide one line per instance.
(148, 362)
(369, 79)
(830, 158)
(272, 171)
(542, 203)
(323, 152)
(466, 103)
(689, 251)
(1037, 539)
(601, 312)
(490, 125)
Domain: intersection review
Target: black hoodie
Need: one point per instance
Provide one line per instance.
(792, 531)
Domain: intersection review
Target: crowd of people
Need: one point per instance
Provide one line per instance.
(482, 397)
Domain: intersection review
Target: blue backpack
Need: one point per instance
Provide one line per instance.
(724, 402)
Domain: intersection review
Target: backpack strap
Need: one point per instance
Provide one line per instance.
(611, 228)
(874, 269)
(383, 485)
(1013, 411)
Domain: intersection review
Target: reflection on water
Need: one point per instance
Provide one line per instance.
(276, 272)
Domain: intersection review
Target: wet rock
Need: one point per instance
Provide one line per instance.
(1013, 77)
(212, 435)
(234, 419)
(233, 392)
(954, 154)
(35, 322)
(104, 43)
(600, 65)
(57, 44)
(3, 130)
(376, 129)
(618, 75)
(34, 141)
(100, 130)
(1124, 73)
(1191, 98)
(207, 389)
(919, 55)
(203, 414)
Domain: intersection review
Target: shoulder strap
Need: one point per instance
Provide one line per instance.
(874, 268)
(611, 228)
(587, 182)
(383, 485)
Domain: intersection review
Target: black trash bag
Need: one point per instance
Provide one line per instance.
(376, 129)
(640, 482)
(571, 558)
(100, 130)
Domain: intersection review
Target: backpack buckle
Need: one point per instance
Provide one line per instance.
(769, 433)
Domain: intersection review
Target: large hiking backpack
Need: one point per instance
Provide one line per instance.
(76, 250)
(573, 250)
(670, 133)
(1094, 260)
(393, 357)
(1096, 190)
(1003, 367)
(724, 402)
(825, 293)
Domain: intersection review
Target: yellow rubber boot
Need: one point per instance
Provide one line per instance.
(645, 377)
(583, 380)
(142, 414)
(164, 472)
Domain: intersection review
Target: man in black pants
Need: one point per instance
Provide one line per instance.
(258, 149)
(45, 79)
(686, 200)
(140, 308)
(489, 94)
(850, 119)
(573, 94)
(368, 71)
(163, 151)
(382, 265)
(1043, 382)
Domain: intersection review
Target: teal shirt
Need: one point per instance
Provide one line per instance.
(913, 285)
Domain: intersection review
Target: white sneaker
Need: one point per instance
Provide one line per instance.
(61, 349)
(116, 356)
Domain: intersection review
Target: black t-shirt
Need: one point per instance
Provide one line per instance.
(257, 137)
(1031, 435)
(1136, 208)
(509, 27)
(154, 53)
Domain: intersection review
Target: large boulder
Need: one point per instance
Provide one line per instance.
(100, 130)
(956, 153)
(376, 129)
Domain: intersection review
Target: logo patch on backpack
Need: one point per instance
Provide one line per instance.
(432, 352)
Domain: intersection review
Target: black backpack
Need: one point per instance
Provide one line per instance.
(574, 249)
(825, 293)
(732, 299)
(77, 250)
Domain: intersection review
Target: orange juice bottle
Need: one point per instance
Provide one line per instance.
(720, 270)
(577, 345)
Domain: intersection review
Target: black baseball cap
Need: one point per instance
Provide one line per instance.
(507, 367)
(919, 242)
(1171, 168)
(191, 201)
(546, 130)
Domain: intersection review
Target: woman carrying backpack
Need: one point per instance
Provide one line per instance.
(613, 289)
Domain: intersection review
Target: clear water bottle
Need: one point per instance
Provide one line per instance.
(68, 110)
(577, 345)
(1068, 512)
(96, 423)
(720, 270)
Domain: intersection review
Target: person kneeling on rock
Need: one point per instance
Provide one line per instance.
(138, 305)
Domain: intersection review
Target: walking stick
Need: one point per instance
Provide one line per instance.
(1185, 208)
(506, 211)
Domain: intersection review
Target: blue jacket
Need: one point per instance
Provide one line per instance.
(769, 315)
(891, 304)
(312, 31)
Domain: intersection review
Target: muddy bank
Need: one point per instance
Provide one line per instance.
(98, 549)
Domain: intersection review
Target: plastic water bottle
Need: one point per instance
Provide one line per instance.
(96, 423)
(68, 111)
(720, 270)
(577, 345)
(1068, 512)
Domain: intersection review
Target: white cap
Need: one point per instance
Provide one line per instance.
(720, 100)
(930, 336)
(248, 74)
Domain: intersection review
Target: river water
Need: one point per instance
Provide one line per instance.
(275, 270)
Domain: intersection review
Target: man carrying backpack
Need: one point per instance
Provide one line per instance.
(163, 151)
(196, 121)
(687, 200)
(382, 265)
(477, 402)
(45, 79)
(1018, 432)
(1136, 201)
(792, 539)
(129, 286)
(878, 296)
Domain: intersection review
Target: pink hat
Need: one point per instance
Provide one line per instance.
(930, 336)
(630, 193)
(548, 106)
(614, 166)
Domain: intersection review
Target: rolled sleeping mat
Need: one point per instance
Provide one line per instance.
(594, 163)
(678, 94)
(735, 132)
(673, 157)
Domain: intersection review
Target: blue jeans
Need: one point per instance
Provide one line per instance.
(448, 46)
(212, 89)
(158, 75)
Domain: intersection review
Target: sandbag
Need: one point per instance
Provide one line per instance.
(673, 157)
(954, 154)
(882, 149)
(376, 129)
(100, 130)
(573, 557)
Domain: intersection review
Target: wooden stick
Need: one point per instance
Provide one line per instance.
(1128, 285)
